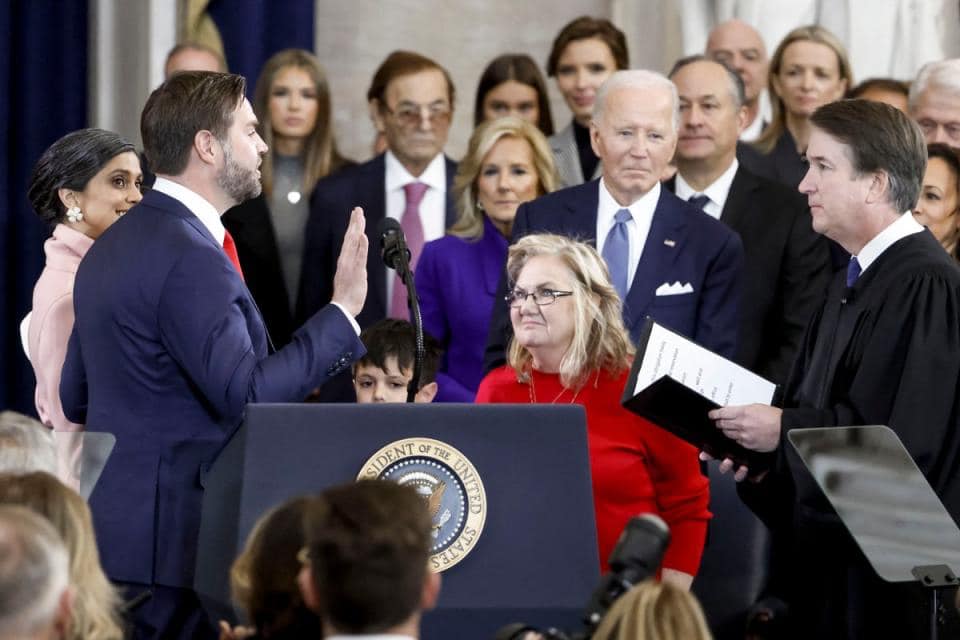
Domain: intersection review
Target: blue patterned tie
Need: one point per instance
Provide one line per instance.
(853, 271)
(699, 201)
(616, 251)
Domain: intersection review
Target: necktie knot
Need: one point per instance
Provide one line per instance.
(623, 215)
(414, 193)
(853, 271)
(699, 201)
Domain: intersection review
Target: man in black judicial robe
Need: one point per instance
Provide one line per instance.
(884, 349)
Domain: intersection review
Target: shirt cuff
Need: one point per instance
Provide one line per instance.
(353, 321)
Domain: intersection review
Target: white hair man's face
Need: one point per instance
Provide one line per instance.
(635, 139)
(937, 111)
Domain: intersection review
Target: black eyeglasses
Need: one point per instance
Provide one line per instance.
(409, 115)
(541, 297)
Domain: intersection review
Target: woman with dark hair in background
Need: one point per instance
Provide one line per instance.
(512, 85)
(938, 208)
(508, 162)
(292, 103)
(809, 69)
(570, 346)
(584, 54)
(82, 183)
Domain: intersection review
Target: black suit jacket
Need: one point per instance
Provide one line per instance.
(332, 201)
(249, 224)
(786, 275)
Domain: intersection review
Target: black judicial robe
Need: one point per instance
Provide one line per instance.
(886, 351)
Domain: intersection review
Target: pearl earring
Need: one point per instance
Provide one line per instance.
(74, 214)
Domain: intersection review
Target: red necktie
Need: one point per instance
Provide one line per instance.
(230, 248)
(413, 232)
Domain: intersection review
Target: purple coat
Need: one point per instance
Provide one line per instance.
(456, 283)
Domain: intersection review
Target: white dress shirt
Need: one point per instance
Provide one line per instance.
(717, 191)
(902, 227)
(641, 212)
(433, 207)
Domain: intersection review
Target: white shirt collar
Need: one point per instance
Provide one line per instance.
(900, 228)
(197, 205)
(717, 191)
(434, 176)
(639, 209)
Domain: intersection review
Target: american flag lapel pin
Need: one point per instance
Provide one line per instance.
(669, 242)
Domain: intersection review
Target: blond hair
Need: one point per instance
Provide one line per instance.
(654, 611)
(469, 223)
(778, 119)
(96, 602)
(600, 339)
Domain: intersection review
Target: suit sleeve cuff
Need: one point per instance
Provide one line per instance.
(353, 321)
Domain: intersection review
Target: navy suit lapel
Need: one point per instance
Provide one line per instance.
(576, 224)
(664, 243)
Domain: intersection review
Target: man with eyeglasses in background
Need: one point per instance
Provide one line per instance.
(667, 258)
(934, 101)
(411, 102)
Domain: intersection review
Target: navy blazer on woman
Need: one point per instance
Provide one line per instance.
(684, 245)
(167, 350)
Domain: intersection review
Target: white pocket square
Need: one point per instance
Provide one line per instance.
(675, 289)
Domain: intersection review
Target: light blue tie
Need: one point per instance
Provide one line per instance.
(616, 251)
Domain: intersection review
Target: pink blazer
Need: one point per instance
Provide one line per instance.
(51, 321)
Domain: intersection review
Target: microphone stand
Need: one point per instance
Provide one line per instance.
(406, 275)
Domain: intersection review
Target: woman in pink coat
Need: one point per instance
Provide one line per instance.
(80, 186)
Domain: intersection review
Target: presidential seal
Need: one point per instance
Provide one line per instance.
(450, 485)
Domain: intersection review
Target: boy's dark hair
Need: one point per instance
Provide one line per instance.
(392, 337)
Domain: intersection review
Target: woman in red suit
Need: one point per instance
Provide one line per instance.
(570, 346)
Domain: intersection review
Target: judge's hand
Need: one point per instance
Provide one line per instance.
(754, 426)
(350, 281)
(740, 471)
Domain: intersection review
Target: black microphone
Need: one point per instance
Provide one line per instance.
(393, 245)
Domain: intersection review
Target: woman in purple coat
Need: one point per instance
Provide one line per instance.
(508, 162)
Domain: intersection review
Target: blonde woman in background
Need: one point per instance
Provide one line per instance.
(95, 601)
(654, 611)
(508, 162)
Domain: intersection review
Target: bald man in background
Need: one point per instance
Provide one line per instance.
(741, 47)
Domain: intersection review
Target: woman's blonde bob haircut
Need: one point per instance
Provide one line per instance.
(778, 115)
(469, 223)
(600, 340)
(96, 603)
(654, 611)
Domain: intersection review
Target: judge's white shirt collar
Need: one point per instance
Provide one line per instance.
(902, 227)
(200, 207)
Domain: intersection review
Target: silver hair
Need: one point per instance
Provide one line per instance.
(34, 572)
(25, 445)
(637, 79)
(942, 74)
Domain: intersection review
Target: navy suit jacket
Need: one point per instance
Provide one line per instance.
(333, 199)
(684, 245)
(167, 349)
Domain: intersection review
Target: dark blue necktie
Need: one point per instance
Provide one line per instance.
(616, 251)
(853, 271)
(699, 201)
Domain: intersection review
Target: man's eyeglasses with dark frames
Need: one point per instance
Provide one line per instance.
(409, 115)
(541, 297)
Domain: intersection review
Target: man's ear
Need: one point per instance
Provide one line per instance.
(427, 393)
(879, 187)
(430, 592)
(308, 590)
(594, 138)
(207, 147)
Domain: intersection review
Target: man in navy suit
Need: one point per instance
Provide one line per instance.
(676, 264)
(411, 103)
(168, 345)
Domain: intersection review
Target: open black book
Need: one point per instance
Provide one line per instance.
(675, 382)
